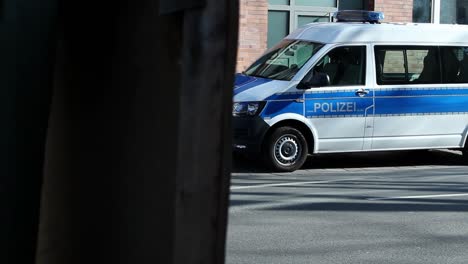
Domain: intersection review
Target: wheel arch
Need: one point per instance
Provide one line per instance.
(298, 122)
(465, 138)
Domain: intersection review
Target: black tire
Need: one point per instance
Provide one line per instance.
(465, 153)
(285, 149)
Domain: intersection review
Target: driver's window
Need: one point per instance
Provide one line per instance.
(344, 66)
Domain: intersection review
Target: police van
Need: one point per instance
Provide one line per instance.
(352, 86)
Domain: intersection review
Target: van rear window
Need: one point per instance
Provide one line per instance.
(407, 65)
(454, 64)
(421, 64)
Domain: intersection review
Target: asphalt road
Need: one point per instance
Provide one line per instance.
(397, 207)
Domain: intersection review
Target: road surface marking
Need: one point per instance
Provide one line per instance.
(285, 184)
(419, 196)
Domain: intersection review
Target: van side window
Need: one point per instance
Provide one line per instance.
(454, 64)
(407, 65)
(344, 66)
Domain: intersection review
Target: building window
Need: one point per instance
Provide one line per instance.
(422, 11)
(278, 26)
(318, 3)
(284, 16)
(353, 5)
(440, 11)
(278, 2)
(453, 12)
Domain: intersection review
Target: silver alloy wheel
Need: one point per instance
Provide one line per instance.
(286, 150)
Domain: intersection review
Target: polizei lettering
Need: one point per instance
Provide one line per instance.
(335, 107)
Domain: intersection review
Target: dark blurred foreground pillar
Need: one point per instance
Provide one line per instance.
(27, 49)
(138, 150)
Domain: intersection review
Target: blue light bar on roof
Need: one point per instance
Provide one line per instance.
(358, 16)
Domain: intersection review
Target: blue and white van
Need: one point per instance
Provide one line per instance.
(353, 87)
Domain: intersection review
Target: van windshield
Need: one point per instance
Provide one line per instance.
(284, 60)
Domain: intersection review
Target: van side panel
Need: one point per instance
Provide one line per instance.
(339, 116)
(420, 117)
(339, 134)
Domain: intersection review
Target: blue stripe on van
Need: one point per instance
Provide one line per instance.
(422, 92)
(274, 108)
(339, 94)
(284, 96)
(244, 83)
(405, 101)
(421, 101)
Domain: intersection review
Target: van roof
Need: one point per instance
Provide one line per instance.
(379, 33)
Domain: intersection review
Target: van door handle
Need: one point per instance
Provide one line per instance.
(362, 92)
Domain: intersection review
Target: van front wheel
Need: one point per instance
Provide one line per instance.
(285, 149)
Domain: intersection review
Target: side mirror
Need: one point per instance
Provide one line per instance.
(319, 79)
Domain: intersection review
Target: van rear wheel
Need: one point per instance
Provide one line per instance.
(285, 149)
(465, 153)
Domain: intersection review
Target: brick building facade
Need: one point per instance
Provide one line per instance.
(253, 30)
(255, 16)
(395, 10)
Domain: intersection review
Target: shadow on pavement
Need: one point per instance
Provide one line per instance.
(359, 160)
(414, 206)
(296, 198)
